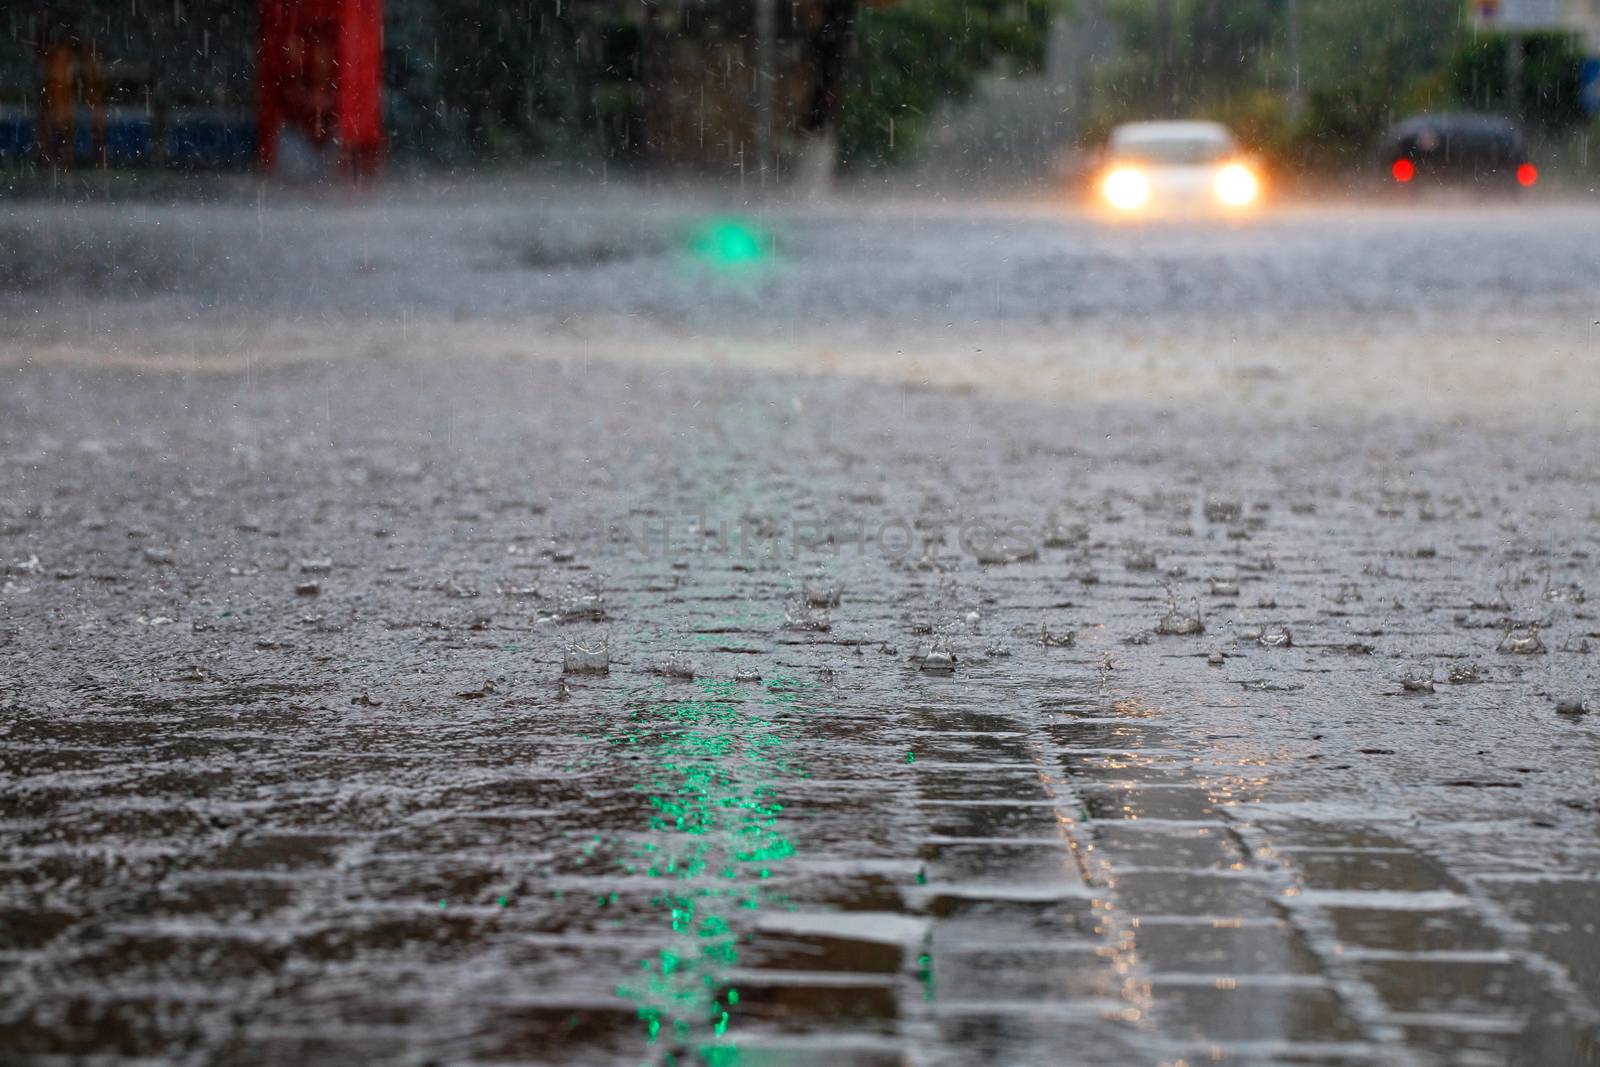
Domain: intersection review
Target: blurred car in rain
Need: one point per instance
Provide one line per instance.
(1175, 168)
(1483, 151)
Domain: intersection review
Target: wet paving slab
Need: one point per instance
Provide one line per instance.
(506, 711)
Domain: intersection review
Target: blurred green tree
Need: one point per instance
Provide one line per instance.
(492, 79)
(913, 56)
(1181, 57)
(1549, 96)
(1361, 62)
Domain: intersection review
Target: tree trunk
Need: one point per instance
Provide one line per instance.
(828, 49)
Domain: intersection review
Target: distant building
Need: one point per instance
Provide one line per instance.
(89, 82)
(690, 82)
(1579, 16)
(1583, 16)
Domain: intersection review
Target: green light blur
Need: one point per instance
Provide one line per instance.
(715, 834)
(730, 245)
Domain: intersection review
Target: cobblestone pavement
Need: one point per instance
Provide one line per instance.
(1020, 733)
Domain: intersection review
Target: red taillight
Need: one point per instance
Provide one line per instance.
(1527, 175)
(1403, 170)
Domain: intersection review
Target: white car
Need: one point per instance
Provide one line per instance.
(1163, 167)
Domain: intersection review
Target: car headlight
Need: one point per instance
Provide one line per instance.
(1126, 189)
(1236, 186)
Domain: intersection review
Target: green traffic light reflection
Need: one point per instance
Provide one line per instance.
(730, 245)
(715, 767)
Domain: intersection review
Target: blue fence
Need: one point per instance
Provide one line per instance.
(208, 140)
(17, 138)
(130, 140)
(197, 140)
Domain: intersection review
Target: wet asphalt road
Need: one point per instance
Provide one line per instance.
(1435, 308)
(1070, 716)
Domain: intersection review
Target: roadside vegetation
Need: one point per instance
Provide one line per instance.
(1322, 104)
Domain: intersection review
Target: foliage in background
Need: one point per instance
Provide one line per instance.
(917, 54)
(1359, 63)
(1550, 100)
(497, 79)
(1207, 52)
(1362, 62)
(521, 78)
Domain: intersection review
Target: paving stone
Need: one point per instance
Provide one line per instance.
(1220, 895)
(227, 839)
(1223, 947)
(1226, 1013)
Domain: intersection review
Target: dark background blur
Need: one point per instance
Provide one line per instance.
(755, 86)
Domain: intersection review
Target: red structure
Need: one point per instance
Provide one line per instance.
(320, 73)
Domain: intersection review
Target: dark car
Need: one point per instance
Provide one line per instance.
(1487, 151)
